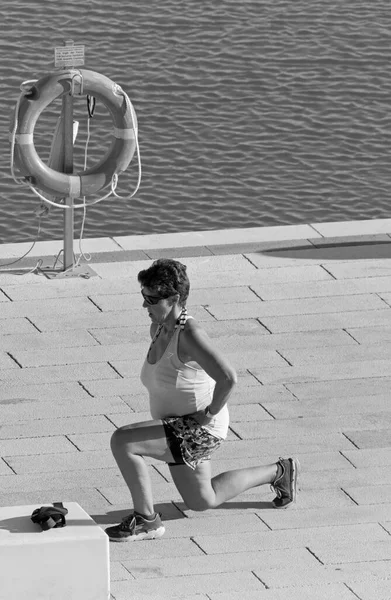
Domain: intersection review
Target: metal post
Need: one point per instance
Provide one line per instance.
(67, 57)
(67, 113)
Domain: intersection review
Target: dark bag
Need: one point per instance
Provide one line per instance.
(50, 517)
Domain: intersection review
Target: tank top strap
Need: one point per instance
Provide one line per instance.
(182, 319)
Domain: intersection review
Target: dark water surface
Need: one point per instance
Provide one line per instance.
(251, 113)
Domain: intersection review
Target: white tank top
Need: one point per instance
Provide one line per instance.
(176, 388)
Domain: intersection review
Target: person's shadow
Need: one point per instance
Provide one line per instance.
(166, 511)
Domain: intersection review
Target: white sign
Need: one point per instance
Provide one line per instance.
(69, 56)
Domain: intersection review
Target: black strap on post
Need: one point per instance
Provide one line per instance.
(91, 101)
(50, 517)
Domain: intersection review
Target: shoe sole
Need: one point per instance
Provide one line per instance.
(296, 467)
(147, 535)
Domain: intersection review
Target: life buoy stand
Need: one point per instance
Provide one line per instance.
(78, 83)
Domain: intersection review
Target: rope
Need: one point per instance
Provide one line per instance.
(118, 90)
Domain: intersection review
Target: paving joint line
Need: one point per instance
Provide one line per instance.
(382, 299)
(6, 295)
(93, 337)
(264, 522)
(353, 592)
(264, 326)
(85, 389)
(285, 385)
(351, 441)
(349, 496)
(69, 440)
(206, 307)
(9, 466)
(384, 528)
(115, 370)
(350, 335)
(328, 272)
(198, 546)
(110, 421)
(103, 496)
(259, 579)
(254, 292)
(268, 412)
(314, 555)
(33, 324)
(95, 304)
(250, 261)
(283, 357)
(155, 468)
(346, 458)
(180, 510)
(235, 432)
(14, 359)
(255, 377)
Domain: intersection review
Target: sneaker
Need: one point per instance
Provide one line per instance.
(285, 483)
(135, 527)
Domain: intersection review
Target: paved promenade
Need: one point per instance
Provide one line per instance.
(304, 313)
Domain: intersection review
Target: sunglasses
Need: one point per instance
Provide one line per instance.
(151, 299)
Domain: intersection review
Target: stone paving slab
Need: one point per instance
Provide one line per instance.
(342, 552)
(317, 289)
(77, 355)
(326, 372)
(73, 427)
(21, 408)
(371, 335)
(326, 517)
(329, 592)
(93, 478)
(97, 370)
(304, 306)
(23, 447)
(324, 574)
(89, 498)
(18, 325)
(310, 426)
(303, 356)
(341, 388)
(327, 320)
(214, 582)
(336, 406)
(313, 363)
(370, 439)
(372, 590)
(171, 567)
(32, 308)
(35, 341)
(290, 538)
(370, 495)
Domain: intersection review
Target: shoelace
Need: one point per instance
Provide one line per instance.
(128, 522)
(273, 486)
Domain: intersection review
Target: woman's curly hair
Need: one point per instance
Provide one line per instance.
(167, 277)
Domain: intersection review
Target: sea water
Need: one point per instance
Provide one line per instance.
(251, 113)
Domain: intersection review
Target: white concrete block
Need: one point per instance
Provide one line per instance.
(65, 563)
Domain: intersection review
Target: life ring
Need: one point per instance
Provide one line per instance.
(77, 82)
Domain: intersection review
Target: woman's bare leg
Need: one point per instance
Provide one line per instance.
(129, 444)
(200, 491)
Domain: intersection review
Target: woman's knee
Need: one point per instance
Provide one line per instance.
(199, 504)
(121, 438)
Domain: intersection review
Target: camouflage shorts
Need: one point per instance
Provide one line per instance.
(190, 443)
